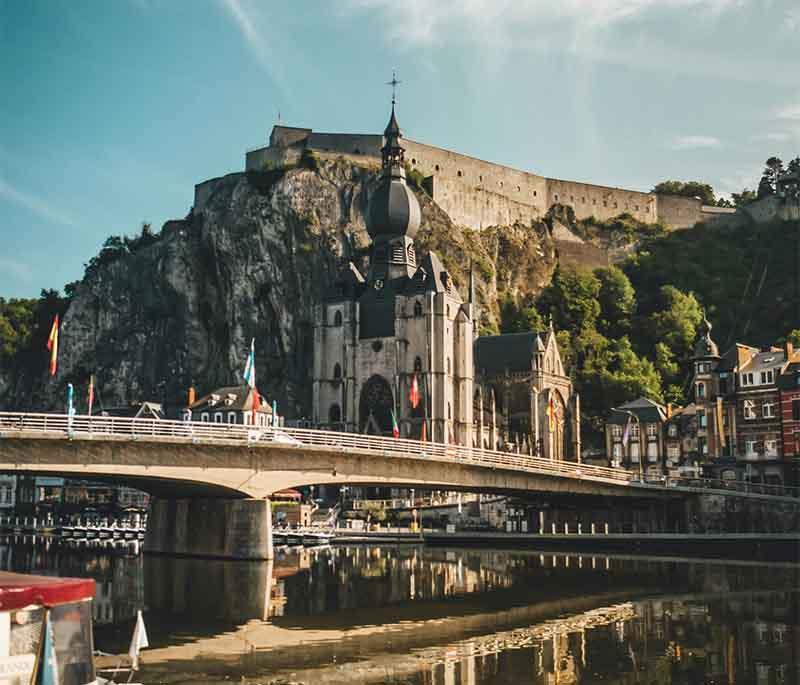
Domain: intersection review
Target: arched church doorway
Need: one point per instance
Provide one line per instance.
(375, 406)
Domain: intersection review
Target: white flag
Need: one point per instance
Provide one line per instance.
(138, 641)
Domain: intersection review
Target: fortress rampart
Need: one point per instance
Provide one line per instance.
(476, 193)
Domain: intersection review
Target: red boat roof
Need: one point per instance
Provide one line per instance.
(19, 590)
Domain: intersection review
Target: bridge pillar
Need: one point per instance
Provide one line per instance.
(223, 528)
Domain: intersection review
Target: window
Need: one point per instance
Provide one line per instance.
(334, 414)
(231, 417)
(750, 447)
(703, 367)
(795, 410)
(672, 431)
(701, 390)
(635, 429)
(635, 452)
(771, 448)
(673, 452)
(418, 364)
(337, 371)
(766, 377)
(418, 308)
(749, 409)
(337, 318)
(702, 419)
(448, 365)
(204, 417)
(652, 451)
(652, 431)
(747, 379)
(449, 411)
(616, 450)
(616, 431)
(768, 410)
(702, 447)
(218, 417)
(436, 167)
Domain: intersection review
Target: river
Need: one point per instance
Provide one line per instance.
(439, 616)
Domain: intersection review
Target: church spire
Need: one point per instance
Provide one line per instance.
(392, 151)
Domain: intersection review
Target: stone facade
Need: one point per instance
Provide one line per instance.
(476, 193)
(405, 325)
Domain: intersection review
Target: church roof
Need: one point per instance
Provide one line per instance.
(431, 276)
(512, 351)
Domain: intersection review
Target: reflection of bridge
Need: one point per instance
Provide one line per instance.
(175, 459)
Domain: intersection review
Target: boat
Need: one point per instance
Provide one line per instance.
(48, 629)
(313, 538)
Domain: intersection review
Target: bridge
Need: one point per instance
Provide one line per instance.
(217, 478)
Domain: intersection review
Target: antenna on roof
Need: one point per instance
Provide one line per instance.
(279, 118)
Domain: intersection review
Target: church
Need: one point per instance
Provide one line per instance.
(397, 349)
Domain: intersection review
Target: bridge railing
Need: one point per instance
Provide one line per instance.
(82, 426)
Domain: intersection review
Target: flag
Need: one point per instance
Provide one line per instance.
(70, 394)
(551, 415)
(720, 423)
(627, 433)
(423, 432)
(250, 366)
(47, 667)
(256, 404)
(395, 428)
(91, 394)
(138, 641)
(52, 345)
(413, 393)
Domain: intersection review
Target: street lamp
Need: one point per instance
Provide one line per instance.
(639, 432)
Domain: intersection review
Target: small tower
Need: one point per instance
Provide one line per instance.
(705, 392)
(393, 215)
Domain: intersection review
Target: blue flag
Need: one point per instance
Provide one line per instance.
(47, 672)
(250, 366)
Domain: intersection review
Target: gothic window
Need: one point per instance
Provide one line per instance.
(218, 417)
(337, 371)
(436, 167)
(337, 318)
(449, 411)
(418, 310)
(204, 417)
(701, 390)
(459, 173)
(334, 414)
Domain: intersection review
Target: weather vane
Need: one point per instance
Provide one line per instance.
(393, 83)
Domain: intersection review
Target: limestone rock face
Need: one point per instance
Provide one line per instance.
(253, 263)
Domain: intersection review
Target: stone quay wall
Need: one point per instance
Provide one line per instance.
(476, 193)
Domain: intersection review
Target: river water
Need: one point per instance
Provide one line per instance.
(439, 616)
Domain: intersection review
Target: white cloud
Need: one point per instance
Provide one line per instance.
(694, 142)
(791, 20)
(19, 270)
(35, 204)
(789, 112)
(268, 47)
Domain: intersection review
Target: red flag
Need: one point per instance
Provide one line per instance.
(256, 404)
(52, 345)
(413, 393)
(91, 393)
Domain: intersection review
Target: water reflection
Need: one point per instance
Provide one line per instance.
(442, 616)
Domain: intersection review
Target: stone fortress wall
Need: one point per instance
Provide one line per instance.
(476, 193)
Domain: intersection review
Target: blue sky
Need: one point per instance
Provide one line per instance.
(113, 110)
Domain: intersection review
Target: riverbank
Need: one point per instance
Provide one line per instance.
(742, 546)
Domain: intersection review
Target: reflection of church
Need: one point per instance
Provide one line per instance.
(405, 325)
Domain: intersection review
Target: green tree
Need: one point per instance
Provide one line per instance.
(516, 318)
(793, 337)
(687, 189)
(794, 166)
(676, 323)
(665, 362)
(617, 301)
(572, 299)
(743, 198)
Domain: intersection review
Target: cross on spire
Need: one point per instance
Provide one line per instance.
(393, 83)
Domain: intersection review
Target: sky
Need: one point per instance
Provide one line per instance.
(113, 109)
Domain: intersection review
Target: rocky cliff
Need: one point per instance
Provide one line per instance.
(149, 319)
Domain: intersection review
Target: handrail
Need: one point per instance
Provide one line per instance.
(87, 427)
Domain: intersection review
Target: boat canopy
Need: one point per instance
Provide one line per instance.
(18, 590)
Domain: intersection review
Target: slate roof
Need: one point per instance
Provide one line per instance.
(764, 361)
(513, 351)
(230, 398)
(646, 411)
(790, 378)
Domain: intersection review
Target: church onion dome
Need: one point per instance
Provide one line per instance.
(393, 209)
(705, 346)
